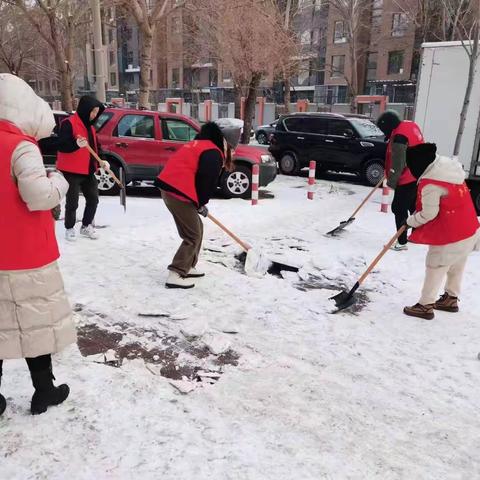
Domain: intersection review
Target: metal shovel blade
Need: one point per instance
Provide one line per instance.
(342, 225)
(123, 190)
(344, 299)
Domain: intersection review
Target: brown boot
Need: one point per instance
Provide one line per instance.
(420, 311)
(446, 303)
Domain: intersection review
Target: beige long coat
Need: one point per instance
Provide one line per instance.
(35, 315)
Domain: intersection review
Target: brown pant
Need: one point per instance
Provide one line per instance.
(190, 229)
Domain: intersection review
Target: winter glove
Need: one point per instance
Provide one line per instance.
(203, 211)
(56, 212)
(105, 165)
(82, 142)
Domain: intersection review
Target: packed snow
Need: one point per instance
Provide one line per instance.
(247, 378)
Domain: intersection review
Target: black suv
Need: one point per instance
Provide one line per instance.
(343, 143)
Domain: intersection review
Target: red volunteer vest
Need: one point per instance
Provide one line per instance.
(457, 219)
(414, 135)
(27, 239)
(78, 161)
(180, 171)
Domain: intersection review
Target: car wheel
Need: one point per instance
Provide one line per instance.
(288, 164)
(106, 184)
(237, 184)
(373, 171)
(262, 138)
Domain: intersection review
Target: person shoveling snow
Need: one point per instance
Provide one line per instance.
(187, 182)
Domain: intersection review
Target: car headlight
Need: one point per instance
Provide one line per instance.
(266, 158)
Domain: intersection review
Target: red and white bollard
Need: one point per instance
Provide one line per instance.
(385, 195)
(311, 179)
(255, 181)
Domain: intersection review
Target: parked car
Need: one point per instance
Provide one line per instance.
(343, 143)
(263, 133)
(141, 142)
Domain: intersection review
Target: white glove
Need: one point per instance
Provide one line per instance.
(82, 142)
(105, 165)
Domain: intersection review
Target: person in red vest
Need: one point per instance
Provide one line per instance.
(187, 182)
(78, 166)
(36, 318)
(400, 135)
(446, 220)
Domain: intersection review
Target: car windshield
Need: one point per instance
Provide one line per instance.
(366, 128)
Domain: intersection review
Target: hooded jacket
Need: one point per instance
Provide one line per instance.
(445, 212)
(71, 158)
(36, 317)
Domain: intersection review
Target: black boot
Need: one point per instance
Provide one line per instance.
(3, 402)
(46, 394)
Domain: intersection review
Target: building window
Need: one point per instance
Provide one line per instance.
(338, 66)
(111, 58)
(372, 66)
(339, 34)
(113, 79)
(110, 35)
(175, 77)
(399, 24)
(395, 63)
(227, 76)
(176, 25)
(40, 85)
(130, 58)
(316, 36)
(377, 12)
(306, 38)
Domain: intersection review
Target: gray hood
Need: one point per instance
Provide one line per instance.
(20, 105)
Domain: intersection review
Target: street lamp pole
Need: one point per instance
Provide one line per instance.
(98, 50)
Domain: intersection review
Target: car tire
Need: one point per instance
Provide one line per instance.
(373, 171)
(288, 164)
(106, 184)
(237, 184)
(262, 138)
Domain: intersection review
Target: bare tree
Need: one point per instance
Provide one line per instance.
(59, 23)
(355, 15)
(147, 15)
(232, 33)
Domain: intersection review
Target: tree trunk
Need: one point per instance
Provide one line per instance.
(250, 102)
(66, 85)
(146, 41)
(466, 102)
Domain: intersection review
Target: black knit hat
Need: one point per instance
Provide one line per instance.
(420, 157)
(388, 121)
(211, 131)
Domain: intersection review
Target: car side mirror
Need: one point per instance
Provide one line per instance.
(349, 133)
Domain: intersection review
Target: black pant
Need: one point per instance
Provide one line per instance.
(88, 185)
(37, 364)
(403, 204)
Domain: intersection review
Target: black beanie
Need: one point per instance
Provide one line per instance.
(420, 157)
(388, 121)
(211, 131)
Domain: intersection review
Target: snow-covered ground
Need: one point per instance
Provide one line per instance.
(297, 394)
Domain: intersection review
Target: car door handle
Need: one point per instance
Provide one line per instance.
(171, 149)
(329, 141)
(300, 138)
(121, 144)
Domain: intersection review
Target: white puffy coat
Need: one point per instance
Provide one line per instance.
(35, 315)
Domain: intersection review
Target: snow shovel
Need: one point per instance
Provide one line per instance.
(346, 223)
(345, 299)
(255, 262)
(123, 191)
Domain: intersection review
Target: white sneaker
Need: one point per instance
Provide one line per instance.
(89, 232)
(175, 280)
(398, 247)
(71, 235)
(194, 273)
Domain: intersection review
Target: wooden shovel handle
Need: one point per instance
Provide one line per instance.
(102, 163)
(244, 245)
(367, 198)
(381, 254)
